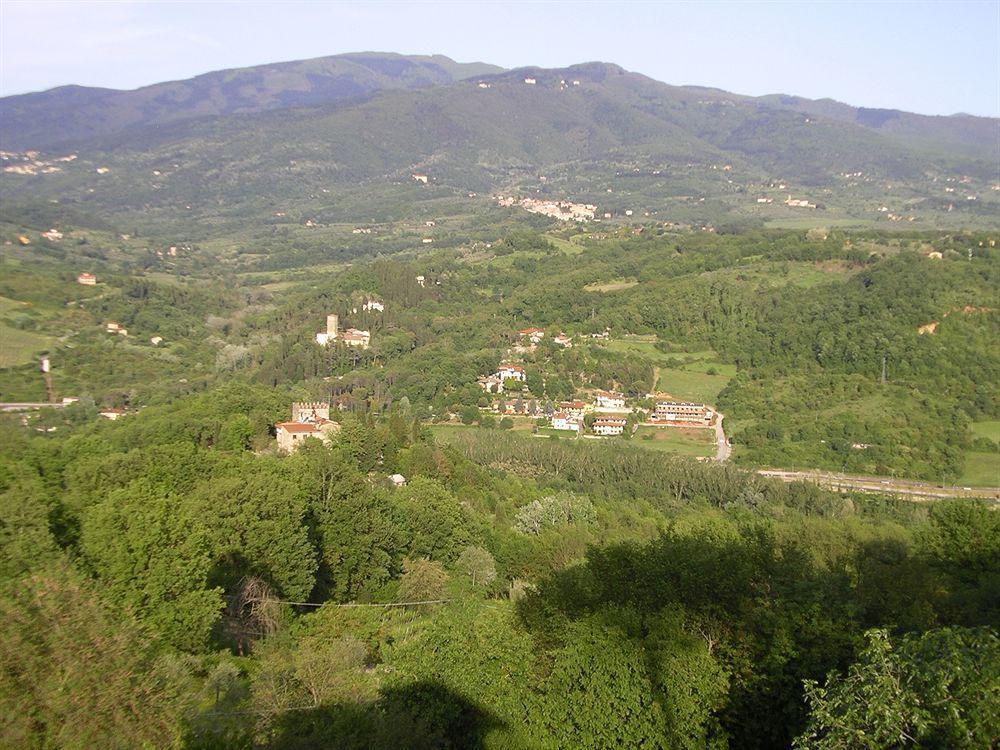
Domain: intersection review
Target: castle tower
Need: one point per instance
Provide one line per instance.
(310, 411)
(331, 326)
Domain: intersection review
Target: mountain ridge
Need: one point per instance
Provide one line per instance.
(84, 112)
(592, 132)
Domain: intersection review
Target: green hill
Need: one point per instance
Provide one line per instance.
(591, 133)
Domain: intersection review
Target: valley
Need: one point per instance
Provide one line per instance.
(384, 401)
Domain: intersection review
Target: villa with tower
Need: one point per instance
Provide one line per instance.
(349, 336)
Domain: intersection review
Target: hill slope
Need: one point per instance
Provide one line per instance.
(592, 132)
(75, 113)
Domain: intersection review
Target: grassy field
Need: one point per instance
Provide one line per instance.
(19, 347)
(6, 305)
(989, 429)
(981, 470)
(700, 378)
(682, 440)
(691, 385)
(566, 246)
(784, 273)
(645, 348)
(611, 286)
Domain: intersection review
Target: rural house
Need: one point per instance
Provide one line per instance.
(609, 400)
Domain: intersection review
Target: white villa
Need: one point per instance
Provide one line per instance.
(608, 400)
(511, 372)
(608, 426)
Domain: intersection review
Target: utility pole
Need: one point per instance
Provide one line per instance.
(47, 374)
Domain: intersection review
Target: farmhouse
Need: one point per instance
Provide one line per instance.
(609, 425)
(310, 419)
(87, 279)
(534, 335)
(113, 327)
(680, 411)
(608, 400)
(564, 341)
(356, 337)
(799, 202)
(491, 384)
(563, 421)
(573, 409)
(112, 414)
(291, 434)
(372, 304)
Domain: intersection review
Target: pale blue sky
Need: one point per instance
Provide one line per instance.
(933, 58)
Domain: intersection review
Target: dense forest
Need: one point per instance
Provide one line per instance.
(169, 581)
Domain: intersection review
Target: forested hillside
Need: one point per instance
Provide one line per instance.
(576, 597)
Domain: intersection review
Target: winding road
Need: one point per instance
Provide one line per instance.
(723, 450)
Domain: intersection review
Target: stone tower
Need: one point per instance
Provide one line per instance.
(332, 326)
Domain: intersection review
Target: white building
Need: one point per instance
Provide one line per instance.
(608, 400)
(511, 372)
(681, 411)
(372, 304)
(609, 425)
(564, 341)
(563, 421)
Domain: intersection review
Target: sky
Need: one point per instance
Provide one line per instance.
(926, 57)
